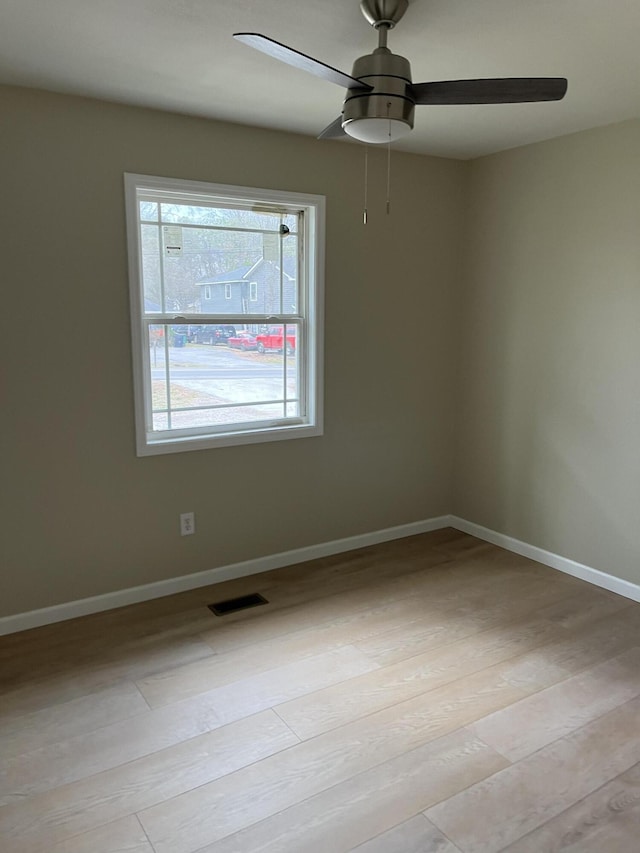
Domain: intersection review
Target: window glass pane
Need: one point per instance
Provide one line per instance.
(213, 271)
(149, 211)
(290, 289)
(207, 376)
(208, 272)
(151, 273)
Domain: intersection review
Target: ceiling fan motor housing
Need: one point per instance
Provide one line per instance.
(383, 13)
(390, 76)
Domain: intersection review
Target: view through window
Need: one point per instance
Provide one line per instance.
(226, 302)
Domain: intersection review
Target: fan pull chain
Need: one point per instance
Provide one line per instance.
(388, 178)
(366, 183)
(389, 164)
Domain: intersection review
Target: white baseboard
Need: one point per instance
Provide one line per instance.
(548, 558)
(133, 595)
(120, 598)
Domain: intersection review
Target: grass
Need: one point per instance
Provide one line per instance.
(181, 397)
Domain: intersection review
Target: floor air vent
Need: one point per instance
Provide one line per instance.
(221, 608)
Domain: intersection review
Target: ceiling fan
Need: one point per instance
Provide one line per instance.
(380, 100)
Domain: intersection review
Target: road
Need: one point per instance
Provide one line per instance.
(253, 372)
(226, 375)
(198, 362)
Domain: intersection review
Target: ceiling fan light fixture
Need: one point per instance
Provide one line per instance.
(376, 130)
(385, 113)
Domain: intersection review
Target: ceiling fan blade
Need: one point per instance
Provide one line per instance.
(334, 130)
(299, 60)
(507, 90)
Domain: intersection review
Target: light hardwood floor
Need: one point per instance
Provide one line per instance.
(430, 694)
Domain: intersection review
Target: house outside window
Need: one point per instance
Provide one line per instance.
(245, 365)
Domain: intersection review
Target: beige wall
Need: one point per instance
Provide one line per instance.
(82, 515)
(548, 423)
(525, 362)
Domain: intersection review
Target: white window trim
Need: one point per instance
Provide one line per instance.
(253, 291)
(207, 291)
(311, 367)
(227, 291)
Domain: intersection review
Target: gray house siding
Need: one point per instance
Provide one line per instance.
(261, 279)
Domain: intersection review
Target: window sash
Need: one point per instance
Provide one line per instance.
(300, 397)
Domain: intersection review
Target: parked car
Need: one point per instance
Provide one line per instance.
(244, 341)
(187, 330)
(213, 335)
(273, 339)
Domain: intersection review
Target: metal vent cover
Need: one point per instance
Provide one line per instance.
(231, 605)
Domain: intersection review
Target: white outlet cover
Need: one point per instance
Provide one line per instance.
(187, 523)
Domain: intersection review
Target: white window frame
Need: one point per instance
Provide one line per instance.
(227, 291)
(310, 318)
(253, 291)
(207, 291)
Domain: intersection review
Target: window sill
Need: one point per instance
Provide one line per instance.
(157, 447)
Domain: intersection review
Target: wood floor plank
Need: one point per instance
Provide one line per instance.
(342, 609)
(341, 573)
(417, 835)
(213, 811)
(121, 836)
(36, 823)
(80, 680)
(192, 679)
(442, 582)
(334, 706)
(494, 813)
(593, 642)
(595, 604)
(416, 592)
(607, 821)
(456, 543)
(417, 615)
(467, 619)
(125, 637)
(350, 813)
(538, 720)
(25, 732)
(126, 740)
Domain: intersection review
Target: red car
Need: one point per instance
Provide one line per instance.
(243, 340)
(273, 339)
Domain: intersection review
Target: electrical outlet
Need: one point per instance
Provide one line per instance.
(187, 523)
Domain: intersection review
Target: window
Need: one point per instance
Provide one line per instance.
(211, 370)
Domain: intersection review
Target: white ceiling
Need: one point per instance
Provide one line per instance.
(179, 55)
